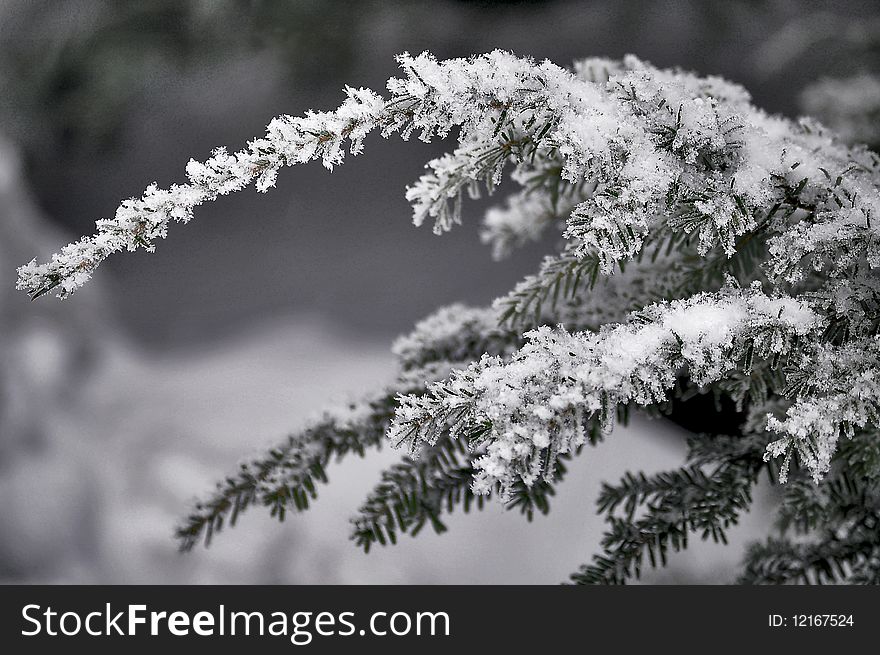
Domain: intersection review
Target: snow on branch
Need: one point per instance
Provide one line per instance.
(138, 222)
(840, 393)
(532, 407)
(648, 148)
(745, 245)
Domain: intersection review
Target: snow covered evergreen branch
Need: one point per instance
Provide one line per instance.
(657, 147)
(708, 246)
(533, 407)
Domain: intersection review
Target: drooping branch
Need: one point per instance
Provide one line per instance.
(658, 149)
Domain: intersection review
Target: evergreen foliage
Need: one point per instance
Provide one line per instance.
(711, 251)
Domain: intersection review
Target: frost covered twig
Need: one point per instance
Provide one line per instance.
(138, 222)
(656, 147)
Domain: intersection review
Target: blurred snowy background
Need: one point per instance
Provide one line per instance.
(120, 405)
